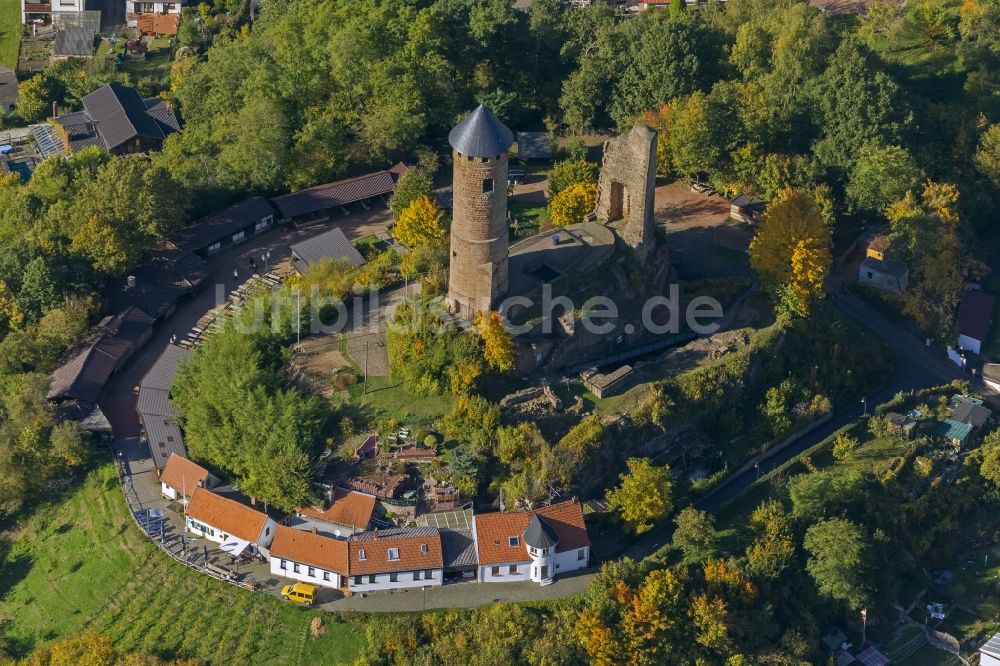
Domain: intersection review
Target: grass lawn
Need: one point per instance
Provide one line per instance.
(81, 564)
(387, 397)
(10, 32)
(531, 217)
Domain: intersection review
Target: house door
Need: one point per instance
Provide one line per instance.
(545, 571)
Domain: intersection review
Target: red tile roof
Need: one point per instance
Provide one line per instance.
(227, 515)
(975, 313)
(312, 549)
(183, 475)
(411, 544)
(348, 508)
(493, 532)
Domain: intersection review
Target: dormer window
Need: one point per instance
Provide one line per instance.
(513, 541)
(393, 554)
(423, 548)
(361, 555)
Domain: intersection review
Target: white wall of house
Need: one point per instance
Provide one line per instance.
(501, 573)
(966, 342)
(212, 533)
(404, 579)
(147, 7)
(571, 560)
(68, 5)
(988, 660)
(882, 281)
(304, 572)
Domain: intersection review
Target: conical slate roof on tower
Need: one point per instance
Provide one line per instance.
(539, 534)
(481, 134)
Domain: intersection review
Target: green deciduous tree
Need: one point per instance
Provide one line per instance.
(839, 560)
(570, 172)
(881, 176)
(695, 534)
(644, 497)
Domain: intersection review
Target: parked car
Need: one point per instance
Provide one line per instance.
(302, 593)
(516, 177)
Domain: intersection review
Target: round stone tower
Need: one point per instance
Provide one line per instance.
(477, 277)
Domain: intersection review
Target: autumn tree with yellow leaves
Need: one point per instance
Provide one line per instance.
(498, 343)
(573, 204)
(644, 496)
(420, 223)
(791, 251)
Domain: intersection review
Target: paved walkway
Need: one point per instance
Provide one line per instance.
(467, 594)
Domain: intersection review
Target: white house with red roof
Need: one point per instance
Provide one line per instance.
(181, 476)
(236, 526)
(395, 559)
(309, 557)
(537, 546)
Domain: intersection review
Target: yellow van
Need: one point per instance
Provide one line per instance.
(303, 593)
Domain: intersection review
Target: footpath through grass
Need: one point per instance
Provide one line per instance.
(10, 32)
(81, 564)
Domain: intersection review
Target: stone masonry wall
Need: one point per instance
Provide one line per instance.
(629, 173)
(477, 276)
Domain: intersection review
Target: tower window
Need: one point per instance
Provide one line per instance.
(488, 185)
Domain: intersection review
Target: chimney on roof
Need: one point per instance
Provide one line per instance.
(55, 109)
(253, 501)
(314, 529)
(130, 282)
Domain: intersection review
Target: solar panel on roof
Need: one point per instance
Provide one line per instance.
(49, 143)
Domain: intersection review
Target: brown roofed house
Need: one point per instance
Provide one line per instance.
(236, 526)
(536, 545)
(396, 559)
(349, 509)
(181, 476)
(309, 557)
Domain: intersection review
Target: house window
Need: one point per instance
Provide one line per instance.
(488, 185)
(428, 574)
(533, 551)
(312, 572)
(495, 571)
(214, 247)
(417, 575)
(393, 577)
(295, 567)
(283, 565)
(326, 575)
(393, 554)
(581, 555)
(423, 548)
(357, 580)
(372, 579)
(361, 555)
(263, 224)
(513, 541)
(239, 236)
(512, 569)
(267, 530)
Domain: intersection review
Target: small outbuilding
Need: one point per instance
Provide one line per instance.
(746, 208)
(8, 90)
(534, 146)
(73, 43)
(975, 316)
(332, 244)
(884, 275)
(181, 476)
